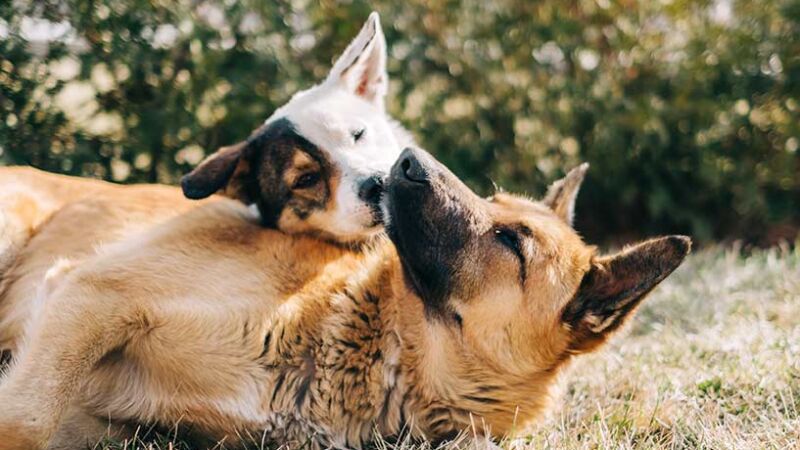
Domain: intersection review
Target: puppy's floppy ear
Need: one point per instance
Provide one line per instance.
(615, 285)
(561, 194)
(362, 67)
(222, 170)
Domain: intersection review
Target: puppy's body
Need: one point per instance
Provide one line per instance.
(52, 217)
(246, 334)
(209, 351)
(315, 167)
(28, 197)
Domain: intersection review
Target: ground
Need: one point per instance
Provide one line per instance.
(712, 360)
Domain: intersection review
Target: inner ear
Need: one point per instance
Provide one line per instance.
(615, 285)
(561, 195)
(222, 170)
(362, 67)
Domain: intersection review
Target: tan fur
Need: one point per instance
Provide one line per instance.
(90, 213)
(27, 199)
(295, 219)
(245, 333)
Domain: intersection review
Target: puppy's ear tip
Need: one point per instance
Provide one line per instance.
(374, 23)
(374, 18)
(579, 172)
(190, 188)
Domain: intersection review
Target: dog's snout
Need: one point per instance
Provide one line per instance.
(371, 189)
(411, 166)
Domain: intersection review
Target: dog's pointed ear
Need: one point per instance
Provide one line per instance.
(561, 194)
(362, 66)
(615, 285)
(222, 170)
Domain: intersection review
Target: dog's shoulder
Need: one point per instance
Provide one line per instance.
(213, 246)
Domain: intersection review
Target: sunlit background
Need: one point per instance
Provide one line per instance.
(688, 111)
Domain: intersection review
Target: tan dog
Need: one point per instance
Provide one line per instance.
(314, 167)
(247, 334)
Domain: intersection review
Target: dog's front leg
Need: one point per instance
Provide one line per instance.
(83, 320)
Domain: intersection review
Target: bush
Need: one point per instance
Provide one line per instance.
(688, 111)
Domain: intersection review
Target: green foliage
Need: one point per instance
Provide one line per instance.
(688, 111)
(711, 386)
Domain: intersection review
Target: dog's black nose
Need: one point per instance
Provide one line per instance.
(413, 169)
(371, 189)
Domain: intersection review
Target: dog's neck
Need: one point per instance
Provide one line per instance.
(365, 357)
(448, 387)
(380, 315)
(445, 387)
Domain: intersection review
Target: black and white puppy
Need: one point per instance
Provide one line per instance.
(317, 164)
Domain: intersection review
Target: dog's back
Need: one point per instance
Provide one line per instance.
(28, 197)
(80, 214)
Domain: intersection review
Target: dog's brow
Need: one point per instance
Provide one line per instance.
(522, 254)
(524, 229)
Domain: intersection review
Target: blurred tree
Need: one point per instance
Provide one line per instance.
(688, 111)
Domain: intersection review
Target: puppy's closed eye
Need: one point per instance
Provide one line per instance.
(358, 134)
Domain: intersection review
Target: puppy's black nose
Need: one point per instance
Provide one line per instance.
(413, 169)
(371, 189)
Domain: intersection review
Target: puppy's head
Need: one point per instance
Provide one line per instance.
(317, 165)
(510, 292)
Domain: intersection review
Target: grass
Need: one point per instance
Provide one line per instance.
(712, 361)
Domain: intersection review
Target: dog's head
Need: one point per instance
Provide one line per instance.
(317, 164)
(510, 292)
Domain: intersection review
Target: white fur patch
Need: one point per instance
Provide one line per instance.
(329, 114)
(329, 124)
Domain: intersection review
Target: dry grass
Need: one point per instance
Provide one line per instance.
(711, 361)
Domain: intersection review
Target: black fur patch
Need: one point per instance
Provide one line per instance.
(277, 388)
(431, 225)
(5, 359)
(270, 152)
(267, 340)
(309, 371)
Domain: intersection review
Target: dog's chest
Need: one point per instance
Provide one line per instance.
(335, 378)
(326, 372)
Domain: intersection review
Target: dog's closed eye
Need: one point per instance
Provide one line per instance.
(358, 134)
(509, 238)
(512, 240)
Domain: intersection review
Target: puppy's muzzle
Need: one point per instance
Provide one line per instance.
(370, 192)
